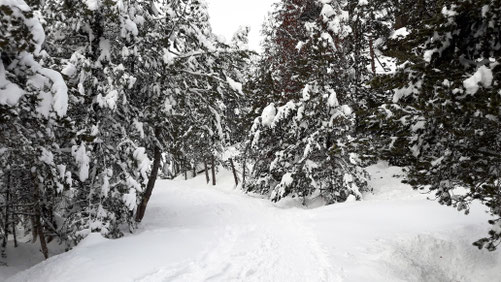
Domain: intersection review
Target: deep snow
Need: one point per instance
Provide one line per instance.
(196, 232)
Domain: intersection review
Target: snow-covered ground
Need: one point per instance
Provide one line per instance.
(197, 232)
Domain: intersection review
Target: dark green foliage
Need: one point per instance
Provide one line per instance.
(302, 143)
(443, 116)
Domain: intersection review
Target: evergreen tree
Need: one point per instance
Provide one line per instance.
(445, 105)
(33, 103)
(303, 141)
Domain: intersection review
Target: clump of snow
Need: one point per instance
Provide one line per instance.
(306, 94)
(428, 54)
(131, 27)
(485, 10)
(420, 124)
(168, 57)
(142, 161)
(110, 100)
(483, 75)
(92, 5)
(400, 93)
(449, 12)
(400, 33)
(130, 199)
(332, 100)
(283, 112)
(236, 86)
(82, 160)
(268, 115)
(105, 48)
(59, 97)
(10, 93)
(47, 157)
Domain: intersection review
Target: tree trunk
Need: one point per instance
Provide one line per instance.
(37, 218)
(41, 236)
(373, 62)
(213, 168)
(6, 224)
(150, 185)
(235, 176)
(244, 166)
(206, 172)
(14, 232)
(34, 234)
(185, 170)
(194, 169)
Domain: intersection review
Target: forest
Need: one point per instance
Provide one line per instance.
(99, 99)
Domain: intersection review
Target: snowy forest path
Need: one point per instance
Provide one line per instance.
(195, 232)
(256, 242)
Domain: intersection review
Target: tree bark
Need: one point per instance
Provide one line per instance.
(41, 236)
(213, 168)
(235, 176)
(37, 218)
(150, 185)
(206, 172)
(194, 169)
(6, 224)
(185, 170)
(373, 62)
(244, 166)
(14, 232)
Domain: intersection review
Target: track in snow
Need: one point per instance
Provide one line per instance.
(258, 243)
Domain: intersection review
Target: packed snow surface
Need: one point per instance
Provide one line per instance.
(197, 232)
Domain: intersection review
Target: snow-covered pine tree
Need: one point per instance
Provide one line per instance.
(111, 55)
(302, 141)
(445, 105)
(33, 102)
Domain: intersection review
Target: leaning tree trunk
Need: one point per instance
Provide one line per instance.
(235, 176)
(151, 183)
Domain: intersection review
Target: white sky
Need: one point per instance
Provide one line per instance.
(226, 16)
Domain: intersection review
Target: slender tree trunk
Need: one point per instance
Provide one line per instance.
(206, 172)
(235, 176)
(213, 168)
(7, 203)
(373, 62)
(34, 233)
(150, 185)
(194, 169)
(37, 218)
(14, 231)
(41, 236)
(244, 166)
(185, 172)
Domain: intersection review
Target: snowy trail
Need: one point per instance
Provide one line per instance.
(258, 242)
(194, 232)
